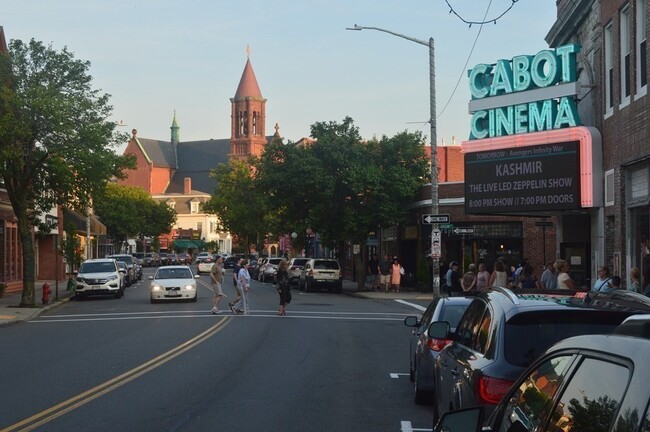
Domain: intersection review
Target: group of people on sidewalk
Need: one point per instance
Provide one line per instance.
(385, 274)
(242, 282)
(554, 276)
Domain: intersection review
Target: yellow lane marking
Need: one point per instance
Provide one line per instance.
(7, 317)
(58, 410)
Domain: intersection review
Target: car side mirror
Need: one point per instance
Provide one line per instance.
(122, 271)
(150, 277)
(439, 330)
(197, 276)
(411, 321)
(462, 420)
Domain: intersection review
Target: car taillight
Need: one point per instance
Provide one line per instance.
(437, 344)
(491, 390)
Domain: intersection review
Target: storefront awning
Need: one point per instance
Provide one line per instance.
(79, 221)
(188, 244)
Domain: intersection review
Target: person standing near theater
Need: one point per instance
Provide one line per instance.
(384, 272)
(564, 281)
(482, 278)
(216, 278)
(395, 275)
(603, 283)
(549, 277)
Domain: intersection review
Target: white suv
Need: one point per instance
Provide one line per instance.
(319, 272)
(99, 277)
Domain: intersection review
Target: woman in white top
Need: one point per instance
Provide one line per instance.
(564, 281)
(244, 282)
(499, 276)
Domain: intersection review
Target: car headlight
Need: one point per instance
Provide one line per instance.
(112, 277)
(156, 288)
(190, 287)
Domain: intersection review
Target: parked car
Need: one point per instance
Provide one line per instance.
(423, 350)
(502, 332)
(202, 255)
(132, 264)
(204, 265)
(183, 258)
(296, 265)
(163, 258)
(253, 268)
(268, 270)
(583, 383)
(98, 277)
(230, 262)
(322, 272)
(124, 270)
(140, 257)
(173, 283)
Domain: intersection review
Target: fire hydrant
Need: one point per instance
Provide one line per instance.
(46, 293)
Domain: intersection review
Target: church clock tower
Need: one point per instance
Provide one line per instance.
(248, 119)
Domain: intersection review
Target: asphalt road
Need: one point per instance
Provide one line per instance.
(334, 363)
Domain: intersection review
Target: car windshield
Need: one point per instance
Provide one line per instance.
(528, 335)
(326, 265)
(97, 267)
(176, 273)
(126, 258)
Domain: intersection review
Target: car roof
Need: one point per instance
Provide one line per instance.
(514, 302)
(631, 347)
(99, 260)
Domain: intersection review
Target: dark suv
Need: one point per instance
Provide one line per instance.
(584, 383)
(502, 332)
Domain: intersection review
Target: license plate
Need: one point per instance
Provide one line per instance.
(97, 287)
(173, 294)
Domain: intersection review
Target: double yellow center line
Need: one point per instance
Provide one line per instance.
(75, 402)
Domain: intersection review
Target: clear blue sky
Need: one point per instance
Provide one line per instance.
(157, 56)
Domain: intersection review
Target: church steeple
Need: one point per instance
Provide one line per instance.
(175, 138)
(248, 120)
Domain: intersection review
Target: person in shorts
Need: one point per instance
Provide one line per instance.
(216, 278)
(384, 272)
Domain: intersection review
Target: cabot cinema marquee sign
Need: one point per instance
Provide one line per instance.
(527, 150)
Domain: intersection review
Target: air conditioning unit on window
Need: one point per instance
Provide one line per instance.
(609, 188)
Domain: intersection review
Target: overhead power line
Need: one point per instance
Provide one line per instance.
(485, 21)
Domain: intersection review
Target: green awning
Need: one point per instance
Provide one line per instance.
(188, 244)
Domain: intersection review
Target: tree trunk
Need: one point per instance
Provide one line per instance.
(28, 299)
(360, 266)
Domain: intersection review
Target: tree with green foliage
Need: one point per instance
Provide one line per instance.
(341, 186)
(129, 211)
(70, 247)
(56, 143)
(235, 202)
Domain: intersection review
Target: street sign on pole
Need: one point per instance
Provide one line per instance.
(435, 218)
(463, 230)
(435, 243)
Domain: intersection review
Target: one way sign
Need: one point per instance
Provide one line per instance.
(432, 218)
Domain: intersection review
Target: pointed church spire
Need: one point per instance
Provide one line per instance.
(248, 86)
(3, 42)
(175, 130)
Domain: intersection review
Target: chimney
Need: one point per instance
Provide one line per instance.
(187, 185)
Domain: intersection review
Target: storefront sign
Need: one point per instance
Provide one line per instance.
(524, 94)
(523, 179)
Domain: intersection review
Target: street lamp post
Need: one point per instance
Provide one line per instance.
(434, 147)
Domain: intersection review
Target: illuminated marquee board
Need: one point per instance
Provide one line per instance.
(523, 179)
(525, 94)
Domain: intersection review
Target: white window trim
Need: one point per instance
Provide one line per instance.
(609, 46)
(609, 175)
(640, 37)
(194, 207)
(625, 45)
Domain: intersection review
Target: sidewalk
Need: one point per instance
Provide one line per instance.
(10, 313)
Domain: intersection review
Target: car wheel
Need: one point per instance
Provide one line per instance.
(339, 287)
(194, 299)
(118, 294)
(153, 301)
(79, 296)
(411, 372)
